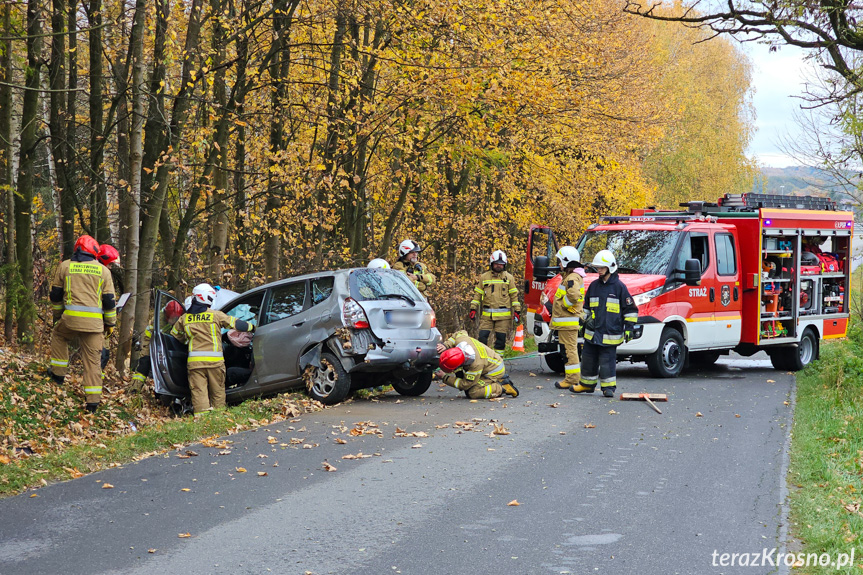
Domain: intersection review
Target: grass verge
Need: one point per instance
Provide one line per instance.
(826, 467)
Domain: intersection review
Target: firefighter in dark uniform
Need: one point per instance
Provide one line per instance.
(201, 328)
(567, 311)
(473, 367)
(409, 264)
(612, 315)
(83, 306)
(496, 298)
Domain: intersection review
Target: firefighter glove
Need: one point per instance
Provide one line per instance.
(472, 315)
(627, 334)
(109, 329)
(516, 317)
(589, 322)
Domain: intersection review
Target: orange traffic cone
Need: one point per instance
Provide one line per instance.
(518, 342)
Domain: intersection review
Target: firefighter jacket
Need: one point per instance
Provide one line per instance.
(568, 307)
(82, 293)
(496, 295)
(424, 277)
(612, 309)
(487, 364)
(201, 328)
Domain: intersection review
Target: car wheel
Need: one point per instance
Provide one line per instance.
(329, 383)
(703, 358)
(555, 362)
(795, 359)
(669, 357)
(414, 385)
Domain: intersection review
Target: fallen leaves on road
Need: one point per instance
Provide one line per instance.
(698, 414)
(297, 440)
(736, 415)
(500, 430)
(271, 439)
(33, 495)
(309, 445)
(444, 426)
(612, 412)
(340, 441)
(513, 503)
(151, 550)
(555, 404)
(416, 446)
(328, 467)
(589, 426)
(531, 374)
(214, 442)
(262, 474)
(366, 428)
(73, 473)
(187, 454)
(402, 433)
(786, 403)
(240, 469)
(770, 381)
(185, 489)
(184, 535)
(107, 486)
(359, 455)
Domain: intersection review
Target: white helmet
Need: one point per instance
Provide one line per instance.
(407, 247)
(497, 257)
(204, 293)
(568, 255)
(187, 302)
(605, 259)
(379, 263)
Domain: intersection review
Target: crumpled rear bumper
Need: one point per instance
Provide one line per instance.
(401, 355)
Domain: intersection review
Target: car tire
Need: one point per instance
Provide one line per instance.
(329, 383)
(669, 358)
(796, 358)
(414, 385)
(555, 362)
(703, 358)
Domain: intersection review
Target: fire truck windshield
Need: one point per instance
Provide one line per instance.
(636, 251)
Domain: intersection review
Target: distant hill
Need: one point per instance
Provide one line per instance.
(799, 181)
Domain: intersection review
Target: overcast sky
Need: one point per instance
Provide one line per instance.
(777, 77)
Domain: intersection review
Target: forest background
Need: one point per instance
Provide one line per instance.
(242, 141)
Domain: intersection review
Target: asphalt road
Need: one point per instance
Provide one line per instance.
(598, 492)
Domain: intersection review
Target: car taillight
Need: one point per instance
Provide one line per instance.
(433, 319)
(353, 315)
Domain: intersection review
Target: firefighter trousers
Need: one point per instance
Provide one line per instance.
(568, 340)
(599, 362)
(208, 387)
(480, 389)
(500, 329)
(90, 344)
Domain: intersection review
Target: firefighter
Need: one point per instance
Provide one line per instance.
(379, 263)
(171, 314)
(107, 256)
(496, 297)
(200, 327)
(408, 262)
(612, 317)
(567, 311)
(473, 367)
(83, 306)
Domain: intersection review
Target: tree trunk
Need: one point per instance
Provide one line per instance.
(219, 234)
(57, 126)
(6, 190)
(98, 189)
(136, 149)
(72, 166)
(24, 197)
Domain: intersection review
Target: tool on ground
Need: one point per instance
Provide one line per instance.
(648, 397)
(518, 343)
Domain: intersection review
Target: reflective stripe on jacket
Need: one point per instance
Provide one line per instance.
(568, 307)
(613, 310)
(487, 365)
(424, 276)
(496, 294)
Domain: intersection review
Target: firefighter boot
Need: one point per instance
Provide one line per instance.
(609, 391)
(92, 407)
(562, 385)
(581, 388)
(509, 388)
(56, 378)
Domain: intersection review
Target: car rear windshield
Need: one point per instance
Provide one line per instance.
(636, 251)
(379, 284)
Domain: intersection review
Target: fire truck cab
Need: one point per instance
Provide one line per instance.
(751, 272)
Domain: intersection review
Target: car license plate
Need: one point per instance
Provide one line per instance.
(402, 318)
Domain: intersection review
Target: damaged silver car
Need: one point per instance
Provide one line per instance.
(334, 332)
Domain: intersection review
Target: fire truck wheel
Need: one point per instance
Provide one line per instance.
(669, 357)
(795, 359)
(555, 362)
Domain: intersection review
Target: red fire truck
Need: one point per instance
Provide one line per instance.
(751, 272)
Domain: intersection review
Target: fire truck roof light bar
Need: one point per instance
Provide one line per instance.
(650, 218)
(753, 201)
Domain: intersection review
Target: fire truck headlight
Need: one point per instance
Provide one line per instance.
(643, 298)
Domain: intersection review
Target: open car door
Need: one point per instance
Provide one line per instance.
(167, 355)
(540, 265)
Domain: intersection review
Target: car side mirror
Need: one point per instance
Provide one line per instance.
(692, 272)
(542, 271)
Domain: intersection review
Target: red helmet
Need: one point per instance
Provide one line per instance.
(108, 254)
(88, 245)
(173, 310)
(451, 359)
